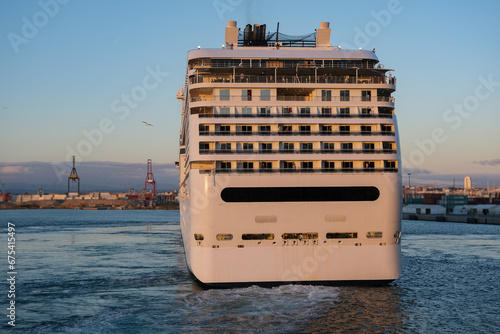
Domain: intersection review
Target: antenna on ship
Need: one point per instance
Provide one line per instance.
(73, 176)
(277, 33)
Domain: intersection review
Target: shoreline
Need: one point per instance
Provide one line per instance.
(451, 218)
(77, 204)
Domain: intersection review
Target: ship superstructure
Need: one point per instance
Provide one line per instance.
(289, 162)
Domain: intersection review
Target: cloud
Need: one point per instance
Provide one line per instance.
(492, 162)
(417, 171)
(16, 170)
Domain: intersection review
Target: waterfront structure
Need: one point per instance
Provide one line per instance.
(289, 162)
(467, 183)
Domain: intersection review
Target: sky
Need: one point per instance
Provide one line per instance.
(79, 78)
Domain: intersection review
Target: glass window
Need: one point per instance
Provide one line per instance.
(390, 164)
(368, 146)
(225, 128)
(266, 165)
(347, 146)
(305, 111)
(305, 129)
(248, 146)
(225, 165)
(326, 95)
(225, 146)
(246, 95)
(342, 235)
(366, 95)
(347, 164)
(344, 129)
(203, 129)
(326, 111)
(369, 165)
(326, 128)
(306, 147)
(366, 111)
(265, 95)
(266, 146)
(246, 110)
(344, 111)
(328, 146)
(247, 165)
(344, 95)
(224, 94)
(386, 128)
(265, 111)
(224, 111)
(265, 129)
(288, 146)
(329, 164)
(366, 128)
(306, 164)
(246, 128)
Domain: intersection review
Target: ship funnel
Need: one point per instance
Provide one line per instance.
(231, 34)
(323, 35)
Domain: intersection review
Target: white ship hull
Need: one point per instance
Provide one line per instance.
(321, 260)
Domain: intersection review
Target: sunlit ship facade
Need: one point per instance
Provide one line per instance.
(289, 162)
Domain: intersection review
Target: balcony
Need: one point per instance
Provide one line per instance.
(289, 79)
(282, 151)
(299, 133)
(306, 170)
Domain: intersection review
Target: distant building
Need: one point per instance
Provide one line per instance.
(467, 183)
(451, 201)
(424, 209)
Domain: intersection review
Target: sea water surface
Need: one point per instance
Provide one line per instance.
(125, 272)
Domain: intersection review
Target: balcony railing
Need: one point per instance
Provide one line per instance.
(291, 98)
(298, 133)
(239, 63)
(291, 115)
(307, 170)
(281, 151)
(302, 79)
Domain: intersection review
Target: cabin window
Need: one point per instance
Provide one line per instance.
(224, 236)
(247, 146)
(344, 111)
(265, 95)
(258, 236)
(344, 95)
(265, 111)
(347, 165)
(342, 235)
(224, 94)
(328, 164)
(326, 95)
(328, 146)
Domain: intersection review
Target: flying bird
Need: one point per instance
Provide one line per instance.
(147, 124)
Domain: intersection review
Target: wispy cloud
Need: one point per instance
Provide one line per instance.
(417, 171)
(492, 162)
(15, 170)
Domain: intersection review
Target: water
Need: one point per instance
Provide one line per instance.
(124, 272)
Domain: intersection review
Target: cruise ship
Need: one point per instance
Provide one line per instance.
(289, 162)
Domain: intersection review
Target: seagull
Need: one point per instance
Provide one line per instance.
(147, 124)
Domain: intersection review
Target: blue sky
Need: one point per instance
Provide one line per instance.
(68, 66)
